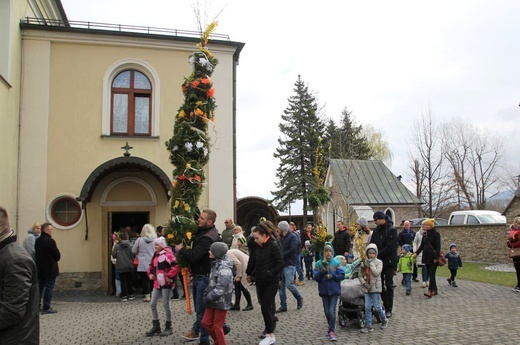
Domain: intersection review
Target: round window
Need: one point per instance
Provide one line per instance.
(65, 212)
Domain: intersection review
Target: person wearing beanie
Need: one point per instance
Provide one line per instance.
(291, 248)
(454, 262)
(406, 236)
(405, 266)
(431, 249)
(19, 296)
(361, 238)
(385, 238)
(342, 240)
(371, 281)
(218, 293)
(161, 271)
(329, 273)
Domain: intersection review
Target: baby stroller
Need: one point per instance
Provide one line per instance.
(352, 300)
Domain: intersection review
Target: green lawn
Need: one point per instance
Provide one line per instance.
(476, 272)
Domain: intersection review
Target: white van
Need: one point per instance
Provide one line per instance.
(476, 217)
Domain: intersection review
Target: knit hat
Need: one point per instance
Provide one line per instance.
(379, 215)
(407, 248)
(218, 249)
(328, 246)
(362, 221)
(453, 244)
(430, 222)
(161, 241)
(284, 226)
(307, 243)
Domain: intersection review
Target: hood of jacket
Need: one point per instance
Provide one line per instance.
(372, 246)
(124, 243)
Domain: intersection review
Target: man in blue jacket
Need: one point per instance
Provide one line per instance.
(290, 246)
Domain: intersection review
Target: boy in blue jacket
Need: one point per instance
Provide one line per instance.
(329, 273)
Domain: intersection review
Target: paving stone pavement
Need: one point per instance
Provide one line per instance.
(473, 313)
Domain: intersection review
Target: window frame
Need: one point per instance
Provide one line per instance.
(153, 78)
(51, 212)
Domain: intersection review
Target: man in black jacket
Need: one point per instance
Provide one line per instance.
(200, 266)
(47, 257)
(19, 298)
(342, 241)
(385, 237)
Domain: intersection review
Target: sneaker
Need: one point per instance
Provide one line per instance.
(449, 281)
(248, 307)
(300, 303)
(124, 299)
(332, 336)
(191, 335)
(454, 284)
(407, 293)
(423, 284)
(268, 340)
(300, 283)
(49, 311)
(131, 297)
(366, 330)
(384, 323)
(415, 280)
(175, 295)
(262, 336)
(516, 289)
(226, 329)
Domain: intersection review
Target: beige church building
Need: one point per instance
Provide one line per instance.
(85, 112)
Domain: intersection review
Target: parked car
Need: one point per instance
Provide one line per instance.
(476, 217)
(418, 221)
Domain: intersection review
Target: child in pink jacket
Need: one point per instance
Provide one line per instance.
(162, 270)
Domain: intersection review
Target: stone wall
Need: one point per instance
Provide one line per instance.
(477, 243)
(79, 281)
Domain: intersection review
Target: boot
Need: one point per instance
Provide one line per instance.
(156, 329)
(429, 294)
(167, 329)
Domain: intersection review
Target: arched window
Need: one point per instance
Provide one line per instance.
(131, 111)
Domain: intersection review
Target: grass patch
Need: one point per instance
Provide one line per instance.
(476, 272)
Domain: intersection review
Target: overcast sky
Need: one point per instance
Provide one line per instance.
(386, 61)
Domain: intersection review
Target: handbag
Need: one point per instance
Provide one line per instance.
(514, 253)
(136, 257)
(442, 260)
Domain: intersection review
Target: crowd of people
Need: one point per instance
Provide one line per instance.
(272, 258)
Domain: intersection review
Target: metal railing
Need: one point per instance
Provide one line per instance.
(119, 28)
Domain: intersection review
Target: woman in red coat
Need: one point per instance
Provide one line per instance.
(514, 242)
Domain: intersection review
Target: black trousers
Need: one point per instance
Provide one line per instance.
(239, 289)
(387, 278)
(266, 295)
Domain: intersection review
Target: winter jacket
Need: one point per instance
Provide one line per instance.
(430, 247)
(329, 274)
(376, 266)
(240, 242)
(19, 296)
(217, 294)
(29, 242)
(385, 238)
(342, 241)
(416, 244)
(514, 237)
(405, 264)
(227, 235)
(406, 236)
(240, 261)
(266, 263)
(198, 257)
(144, 249)
(454, 260)
(122, 252)
(163, 267)
(47, 257)
(361, 240)
(290, 249)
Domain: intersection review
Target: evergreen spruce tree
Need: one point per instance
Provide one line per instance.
(347, 140)
(301, 129)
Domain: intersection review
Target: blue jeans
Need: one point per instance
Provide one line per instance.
(329, 307)
(288, 281)
(407, 277)
(299, 268)
(199, 284)
(373, 299)
(48, 286)
(424, 273)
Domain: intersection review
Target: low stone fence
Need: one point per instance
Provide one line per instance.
(478, 243)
